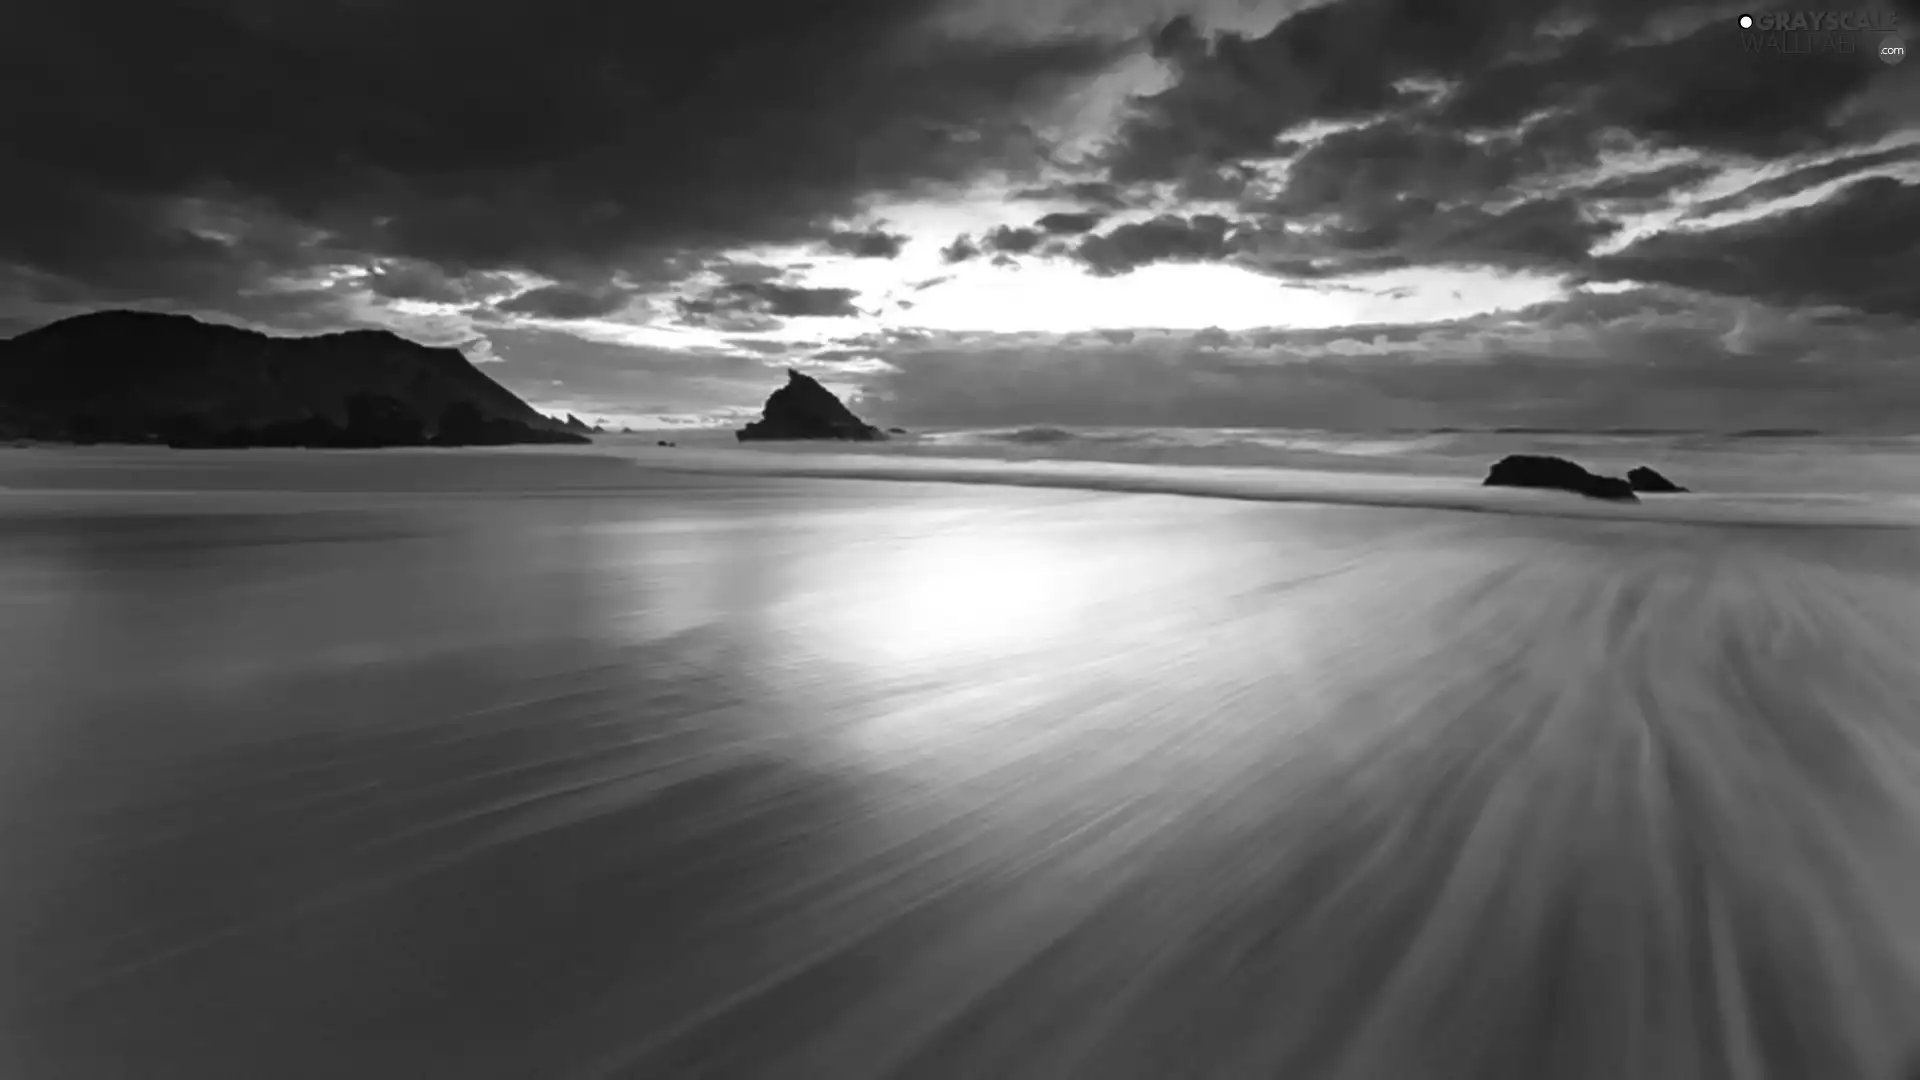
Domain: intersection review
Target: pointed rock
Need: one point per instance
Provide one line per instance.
(803, 409)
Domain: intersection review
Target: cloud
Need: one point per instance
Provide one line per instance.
(1360, 170)
(426, 282)
(1069, 224)
(1649, 357)
(566, 302)
(570, 163)
(1854, 250)
(1497, 63)
(751, 306)
(961, 250)
(1168, 238)
(1011, 241)
(1650, 184)
(871, 244)
(1100, 193)
(623, 135)
(1807, 177)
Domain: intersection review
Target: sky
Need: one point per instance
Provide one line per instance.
(1357, 214)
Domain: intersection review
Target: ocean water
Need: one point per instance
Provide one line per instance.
(1755, 479)
(1758, 463)
(636, 762)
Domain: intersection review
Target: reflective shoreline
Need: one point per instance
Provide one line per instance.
(730, 777)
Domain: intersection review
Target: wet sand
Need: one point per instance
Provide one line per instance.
(544, 767)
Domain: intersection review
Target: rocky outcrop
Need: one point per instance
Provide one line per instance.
(143, 377)
(577, 425)
(803, 409)
(1647, 480)
(1539, 471)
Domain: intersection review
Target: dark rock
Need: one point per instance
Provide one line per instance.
(575, 424)
(1610, 487)
(803, 409)
(463, 425)
(663, 442)
(896, 431)
(1645, 479)
(1537, 471)
(142, 377)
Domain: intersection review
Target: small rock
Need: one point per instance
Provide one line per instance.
(1540, 471)
(1645, 479)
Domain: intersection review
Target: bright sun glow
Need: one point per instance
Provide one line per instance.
(948, 594)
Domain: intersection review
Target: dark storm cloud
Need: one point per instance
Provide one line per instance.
(1010, 241)
(1802, 179)
(792, 301)
(562, 136)
(1069, 224)
(1700, 90)
(1168, 238)
(1362, 168)
(566, 302)
(1650, 185)
(764, 347)
(871, 244)
(759, 305)
(1468, 135)
(1233, 95)
(1099, 193)
(415, 280)
(1855, 250)
(961, 250)
(1550, 234)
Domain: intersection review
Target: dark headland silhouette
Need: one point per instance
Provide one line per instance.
(803, 409)
(146, 377)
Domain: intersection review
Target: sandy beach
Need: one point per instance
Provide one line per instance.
(549, 765)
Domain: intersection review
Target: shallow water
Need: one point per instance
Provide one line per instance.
(1726, 465)
(433, 765)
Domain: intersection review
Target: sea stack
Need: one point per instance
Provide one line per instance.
(1539, 471)
(803, 409)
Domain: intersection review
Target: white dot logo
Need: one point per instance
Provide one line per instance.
(1746, 22)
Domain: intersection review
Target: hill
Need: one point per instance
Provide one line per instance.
(146, 377)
